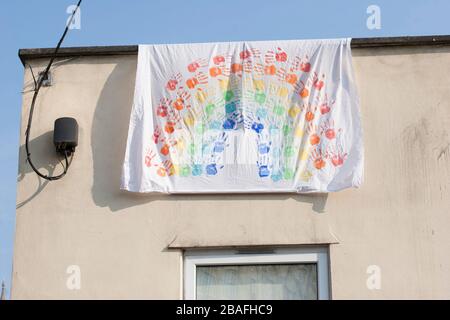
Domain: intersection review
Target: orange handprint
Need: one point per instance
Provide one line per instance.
(166, 168)
(318, 159)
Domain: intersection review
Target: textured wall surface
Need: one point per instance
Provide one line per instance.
(125, 244)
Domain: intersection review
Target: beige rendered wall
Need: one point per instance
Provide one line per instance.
(399, 219)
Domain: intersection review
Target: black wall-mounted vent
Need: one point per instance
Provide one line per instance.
(65, 135)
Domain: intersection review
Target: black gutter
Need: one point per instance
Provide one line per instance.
(26, 54)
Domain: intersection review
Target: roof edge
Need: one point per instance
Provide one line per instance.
(37, 53)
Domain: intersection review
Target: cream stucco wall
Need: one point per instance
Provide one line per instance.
(125, 244)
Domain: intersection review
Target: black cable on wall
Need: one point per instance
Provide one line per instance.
(33, 102)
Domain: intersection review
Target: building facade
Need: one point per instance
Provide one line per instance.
(83, 238)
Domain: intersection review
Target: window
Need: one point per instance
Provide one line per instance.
(278, 274)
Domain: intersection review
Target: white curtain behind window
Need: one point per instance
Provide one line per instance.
(278, 282)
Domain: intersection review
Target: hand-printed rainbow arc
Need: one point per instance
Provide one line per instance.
(270, 94)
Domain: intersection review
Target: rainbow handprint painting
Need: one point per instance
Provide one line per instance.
(264, 116)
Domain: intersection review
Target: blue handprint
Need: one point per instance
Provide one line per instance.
(220, 143)
(196, 169)
(230, 107)
(276, 175)
(229, 124)
(258, 127)
(211, 169)
(263, 158)
(250, 122)
(232, 121)
(264, 148)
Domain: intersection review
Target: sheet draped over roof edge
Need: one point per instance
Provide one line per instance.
(241, 117)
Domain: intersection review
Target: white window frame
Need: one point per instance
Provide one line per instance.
(195, 258)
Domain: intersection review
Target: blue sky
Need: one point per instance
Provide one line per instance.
(30, 24)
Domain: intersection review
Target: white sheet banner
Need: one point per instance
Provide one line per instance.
(264, 116)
